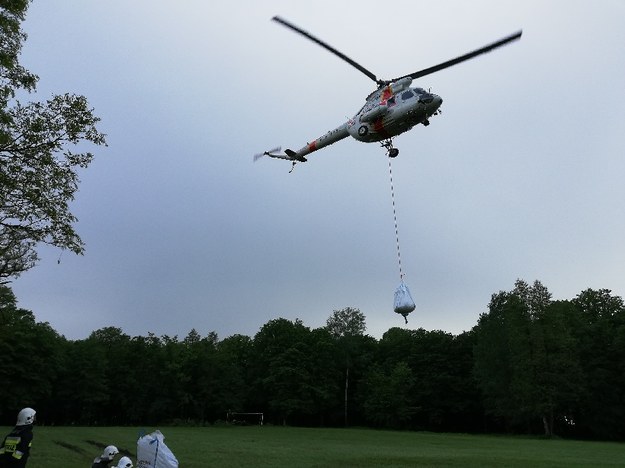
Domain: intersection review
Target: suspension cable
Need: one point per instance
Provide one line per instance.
(390, 172)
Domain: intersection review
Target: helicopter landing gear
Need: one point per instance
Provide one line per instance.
(391, 151)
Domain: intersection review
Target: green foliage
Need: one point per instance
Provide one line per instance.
(347, 327)
(530, 365)
(388, 395)
(12, 75)
(38, 161)
(444, 393)
(346, 322)
(559, 363)
(294, 368)
(599, 335)
(29, 356)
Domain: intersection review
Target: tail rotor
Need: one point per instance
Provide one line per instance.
(271, 152)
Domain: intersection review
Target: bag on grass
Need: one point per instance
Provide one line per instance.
(403, 301)
(153, 453)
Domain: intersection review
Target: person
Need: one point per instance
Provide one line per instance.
(15, 447)
(104, 460)
(124, 462)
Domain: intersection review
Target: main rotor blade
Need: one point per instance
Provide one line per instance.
(462, 58)
(325, 46)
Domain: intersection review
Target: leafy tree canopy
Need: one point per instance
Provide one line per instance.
(346, 322)
(40, 154)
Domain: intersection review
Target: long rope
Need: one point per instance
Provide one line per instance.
(390, 172)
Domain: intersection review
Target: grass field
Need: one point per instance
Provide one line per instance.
(268, 446)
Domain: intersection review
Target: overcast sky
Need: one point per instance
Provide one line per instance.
(522, 176)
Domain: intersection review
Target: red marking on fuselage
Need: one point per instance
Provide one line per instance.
(386, 94)
(378, 126)
(312, 146)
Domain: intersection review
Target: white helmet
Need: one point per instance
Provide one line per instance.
(109, 453)
(124, 462)
(25, 416)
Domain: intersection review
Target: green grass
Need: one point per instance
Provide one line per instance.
(268, 446)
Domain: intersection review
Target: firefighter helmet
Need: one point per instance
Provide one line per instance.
(124, 462)
(109, 453)
(25, 416)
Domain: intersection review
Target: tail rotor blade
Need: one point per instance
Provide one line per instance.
(257, 156)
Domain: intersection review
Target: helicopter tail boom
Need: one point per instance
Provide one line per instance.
(299, 156)
(325, 140)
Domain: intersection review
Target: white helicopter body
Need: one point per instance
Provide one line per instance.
(390, 110)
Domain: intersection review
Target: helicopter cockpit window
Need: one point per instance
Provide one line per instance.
(419, 90)
(406, 95)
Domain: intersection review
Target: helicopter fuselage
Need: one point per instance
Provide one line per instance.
(386, 116)
(388, 112)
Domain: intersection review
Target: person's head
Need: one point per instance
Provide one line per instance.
(124, 462)
(26, 416)
(110, 452)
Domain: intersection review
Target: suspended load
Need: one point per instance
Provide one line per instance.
(403, 301)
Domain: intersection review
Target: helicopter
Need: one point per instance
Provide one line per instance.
(392, 109)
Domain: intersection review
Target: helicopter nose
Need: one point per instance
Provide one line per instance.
(432, 100)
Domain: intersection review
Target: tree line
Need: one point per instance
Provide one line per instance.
(529, 365)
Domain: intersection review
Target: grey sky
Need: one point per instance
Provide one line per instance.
(520, 177)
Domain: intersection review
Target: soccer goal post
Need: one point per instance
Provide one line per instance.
(245, 418)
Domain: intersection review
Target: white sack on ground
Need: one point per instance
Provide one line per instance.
(153, 453)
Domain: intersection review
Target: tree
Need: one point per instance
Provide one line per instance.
(84, 387)
(444, 394)
(346, 322)
(282, 360)
(347, 326)
(503, 359)
(559, 375)
(30, 354)
(536, 381)
(600, 333)
(388, 401)
(213, 385)
(12, 75)
(38, 165)
(525, 359)
(325, 370)
(234, 356)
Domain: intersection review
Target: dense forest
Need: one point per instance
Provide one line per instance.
(529, 365)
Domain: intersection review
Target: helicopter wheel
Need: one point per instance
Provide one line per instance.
(391, 151)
